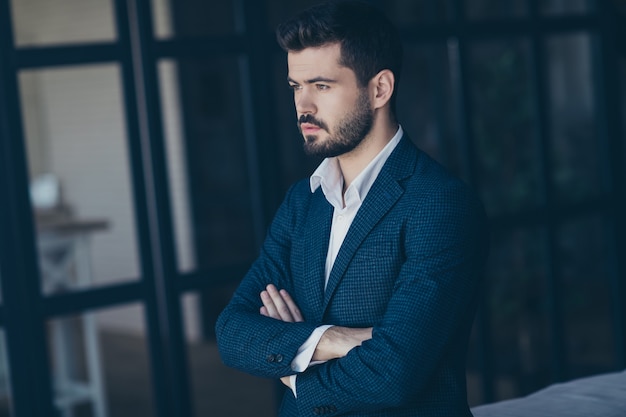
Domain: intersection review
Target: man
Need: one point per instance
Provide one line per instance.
(363, 295)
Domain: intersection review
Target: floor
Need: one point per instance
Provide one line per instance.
(217, 390)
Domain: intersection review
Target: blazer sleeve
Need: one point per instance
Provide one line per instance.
(433, 299)
(247, 340)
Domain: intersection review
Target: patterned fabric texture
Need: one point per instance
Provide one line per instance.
(410, 266)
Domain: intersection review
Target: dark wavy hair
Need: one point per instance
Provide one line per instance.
(369, 42)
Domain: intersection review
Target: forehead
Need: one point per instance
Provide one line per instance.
(320, 61)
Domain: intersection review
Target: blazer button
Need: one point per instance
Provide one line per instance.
(279, 358)
(271, 358)
(317, 411)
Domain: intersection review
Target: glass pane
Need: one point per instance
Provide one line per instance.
(401, 12)
(501, 98)
(80, 179)
(177, 165)
(490, 9)
(622, 75)
(576, 151)
(565, 6)
(212, 176)
(281, 10)
(517, 297)
(410, 12)
(425, 100)
(44, 22)
(184, 18)
(219, 390)
(5, 382)
(584, 256)
(100, 364)
(474, 376)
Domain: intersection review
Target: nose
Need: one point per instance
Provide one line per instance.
(304, 102)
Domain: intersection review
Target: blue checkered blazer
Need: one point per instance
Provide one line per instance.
(410, 266)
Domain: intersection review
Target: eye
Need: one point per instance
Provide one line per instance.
(322, 87)
(295, 87)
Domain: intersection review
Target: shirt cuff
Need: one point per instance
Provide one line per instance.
(292, 384)
(305, 352)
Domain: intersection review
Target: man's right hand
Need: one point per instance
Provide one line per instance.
(337, 341)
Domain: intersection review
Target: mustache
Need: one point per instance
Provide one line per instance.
(310, 119)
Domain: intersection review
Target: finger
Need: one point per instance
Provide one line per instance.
(281, 306)
(286, 380)
(268, 303)
(293, 307)
(263, 311)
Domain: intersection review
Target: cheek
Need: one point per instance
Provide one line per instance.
(334, 110)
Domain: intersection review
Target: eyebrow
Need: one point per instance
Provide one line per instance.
(313, 80)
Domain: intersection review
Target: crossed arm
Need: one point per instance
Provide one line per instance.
(335, 343)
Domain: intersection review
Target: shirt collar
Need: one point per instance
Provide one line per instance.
(328, 176)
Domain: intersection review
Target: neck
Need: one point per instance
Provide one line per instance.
(355, 161)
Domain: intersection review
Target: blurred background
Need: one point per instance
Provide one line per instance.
(145, 145)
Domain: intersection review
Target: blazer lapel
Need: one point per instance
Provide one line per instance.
(384, 193)
(316, 236)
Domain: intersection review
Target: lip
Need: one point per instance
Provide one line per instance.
(309, 128)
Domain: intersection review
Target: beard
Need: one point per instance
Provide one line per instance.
(350, 131)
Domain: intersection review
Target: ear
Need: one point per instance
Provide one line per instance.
(381, 86)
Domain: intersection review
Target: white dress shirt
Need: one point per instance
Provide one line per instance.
(329, 176)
